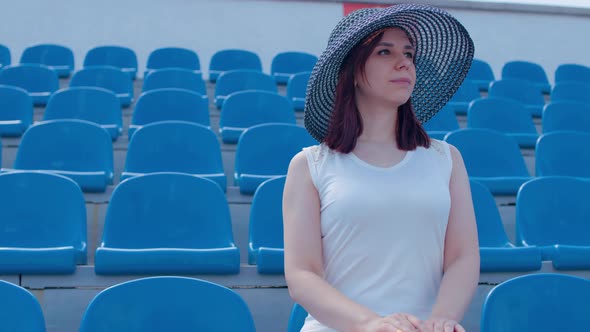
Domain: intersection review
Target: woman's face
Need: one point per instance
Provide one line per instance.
(390, 73)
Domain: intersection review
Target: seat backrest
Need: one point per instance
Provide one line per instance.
(173, 57)
(500, 114)
(31, 77)
(563, 153)
(168, 210)
(231, 59)
(248, 108)
(49, 55)
(175, 78)
(19, 309)
(537, 302)
(569, 72)
(553, 210)
(5, 58)
(571, 91)
(443, 120)
(116, 56)
(240, 80)
(488, 153)
(467, 92)
(490, 229)
(93, 104)
(524, 70)
(167, 304)
(297, 85)
(170, 104)
(292, 62)
(516, 89)
(16, 103)
(297, 318)
(564, 116)
(480, 70)
(266, 215)
(107, 77)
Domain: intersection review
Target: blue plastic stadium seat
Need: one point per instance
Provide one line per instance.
(296, 89)
(175, 78)
(17, 110)
(504, 115)
(468, 91)
(266, 249)
(552, 214)
(19, 309)
(297, 318)
(107, 77)
(173, 57)
(566, 116)
(529, 71)
(241, 80)
(167, 304)
(569, 72)
(537, 302)
(5, 58)
(442, 123)
(167, 223)
(492, 158)
(244, 109)
(97, 105)
(38, 80)
(521, 91)
(43, 224)
(285, 64)
(563, 153)
(275, 144)
(80, 150)
(169, 104)
(175, 146)
(117, 56)
(497, 253)
(57, 57)
(481, 74)
(571, 92)
(233, 59)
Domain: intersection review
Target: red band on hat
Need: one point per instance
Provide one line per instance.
(350, 7)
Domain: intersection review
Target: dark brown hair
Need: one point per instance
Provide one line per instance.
(346, 124)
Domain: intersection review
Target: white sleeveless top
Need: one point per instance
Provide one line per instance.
(383, 229)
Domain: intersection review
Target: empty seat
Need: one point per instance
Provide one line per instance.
(442, 123)
(57, 57)
(233, 59)
(175, 78)
(467, 92)
(244, 109)
(241, 80)
(521, 91)
(5, 58)
(492, 158)
(38, 80)
(265, 246)
(43, 224)
(97, 105)
(169, 104)
(80, 150)
(167, 304)
(569, 72)
(19, 309)
(552, 214)
(175, 146)
(529, 71)
(566, 116)
(563, 153)
(117, 56)
(537, 302)
(173, 57)
(285, 64)
(504, 115)
(106, 77)
(481, 74)
(571, 92)
(16, 113)
(167, 223)
(297, 318)
(297, 88)
(275, 144)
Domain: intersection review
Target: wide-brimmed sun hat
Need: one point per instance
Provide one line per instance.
(444, 52)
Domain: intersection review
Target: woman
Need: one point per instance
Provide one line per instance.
(379, 227)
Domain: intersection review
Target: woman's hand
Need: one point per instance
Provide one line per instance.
(393, 323)
(438, 324)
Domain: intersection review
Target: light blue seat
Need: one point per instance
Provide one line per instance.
(504, 115)
(285, 64)
(521, 91)
(552, 214)
(167, 223)
(566, 116)
(97, 105)
(169, 104)
(175, 78)
(167, 304)
(106, 77)
(38, 80)
(5, 58)
(468, 91)
(175, 146)
(442, 123)
(297, 318)
(57, 57)
(19, 309)
(571, 92)
(43, 224)
(80, 150)
(563, 153)
(117, 56)
(17, 110)
(537, 302)
(244, 109)
(173, 57)
(296, 89)
(232, 59)
(529, 71)
(481, 74)
(492, 158)
(275, 144)
(569, 72)
(266, 249)
(241, 80)
(497, 253)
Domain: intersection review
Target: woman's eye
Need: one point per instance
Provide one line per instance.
(409, 55)
(383, 52)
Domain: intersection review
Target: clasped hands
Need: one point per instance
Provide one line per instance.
(408, 323)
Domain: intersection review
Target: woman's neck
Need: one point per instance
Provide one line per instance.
(379, 122)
